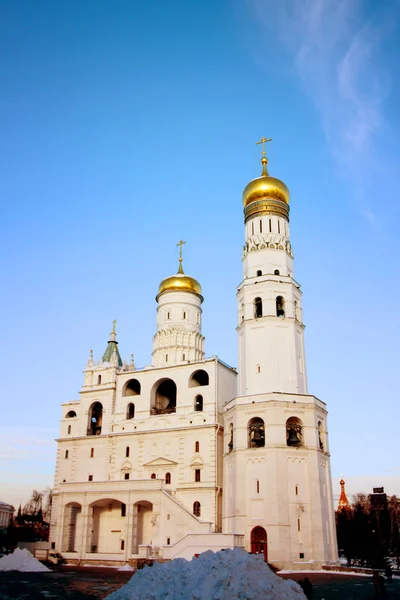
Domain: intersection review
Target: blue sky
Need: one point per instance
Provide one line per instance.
(126, 126)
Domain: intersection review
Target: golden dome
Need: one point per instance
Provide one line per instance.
(180, 283)
(265, 187)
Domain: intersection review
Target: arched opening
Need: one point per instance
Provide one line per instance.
(258, 311)
(132, 388)
(70, 415)
(256, 429)
(197, 447)
(280, 306)
(294, 433)
(259, 273)
(98, 379)
(95, 419)
(164, 397)
(142, 518)
(258, 540)
(320, 436)
(198, 403)
(196, 509)
(276, 272)
(71, 527)
(66, 454)
(130, 411)
(69, 429)
(199, 378)
(230, 443)
(106, 524)
(127, 452)
(91, 452)
(153, 476)
(168, 478)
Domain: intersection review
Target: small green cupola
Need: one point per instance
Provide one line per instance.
(112, 355)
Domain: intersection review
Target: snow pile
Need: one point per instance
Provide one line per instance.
(21, 560)
(225, 575)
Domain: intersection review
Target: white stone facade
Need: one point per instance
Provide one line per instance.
(179, 457)
(6, 514)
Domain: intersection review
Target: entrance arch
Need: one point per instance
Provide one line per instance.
(259, 543)
(142, 525)
(72, 529)
(107, 524)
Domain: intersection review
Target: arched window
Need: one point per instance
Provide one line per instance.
(66, 454)
(167, 478)
(198, 403)
(199, 378)
(91, 452)
(320, 436)
(259, 273)
(258, 312)
(127, 451)
(197, 447)
(280, 306)
(196, 509)
(70, 415)
(132, 388)
(294, 433)
(230, 444)
(98, 379)
(153, 476)
(256, 429)
(276, 272)
(130, 411)
(163, 397)
(69, 429)
(95, 419)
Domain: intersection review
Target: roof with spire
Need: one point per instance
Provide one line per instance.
(112, 347)
(343, 501)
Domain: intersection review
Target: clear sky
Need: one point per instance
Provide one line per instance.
(128, 125)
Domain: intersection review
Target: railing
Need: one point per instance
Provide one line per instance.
(162, 411)
(94, 430)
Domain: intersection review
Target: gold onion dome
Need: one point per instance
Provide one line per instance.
(180, 283)
(265, 187)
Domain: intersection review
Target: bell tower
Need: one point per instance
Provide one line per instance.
(270, 327)
(277, 480)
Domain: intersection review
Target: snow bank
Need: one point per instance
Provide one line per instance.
(21, 560)
(225, 575)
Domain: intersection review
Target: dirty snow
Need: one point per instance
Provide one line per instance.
(21, 560)
(225, 575)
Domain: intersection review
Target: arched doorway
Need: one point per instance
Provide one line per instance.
(142, 525)
(259, 543)
(106, 524)
(72, 527)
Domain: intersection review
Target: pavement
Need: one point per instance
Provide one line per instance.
(90, 583)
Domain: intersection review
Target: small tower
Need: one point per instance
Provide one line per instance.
(178, 338)
(343, 501)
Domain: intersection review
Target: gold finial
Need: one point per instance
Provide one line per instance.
(113, 334)
(264, 159)
(180, 244)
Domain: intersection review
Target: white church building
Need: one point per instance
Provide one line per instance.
(188, 453)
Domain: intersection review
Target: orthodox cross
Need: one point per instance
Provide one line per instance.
(263, 141)
(114, 324)
(180, 244)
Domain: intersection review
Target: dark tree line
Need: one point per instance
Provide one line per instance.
(368, 531)
(31, 524)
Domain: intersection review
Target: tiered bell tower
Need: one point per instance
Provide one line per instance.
(277, 480)
(178, 338)
(270, 328)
